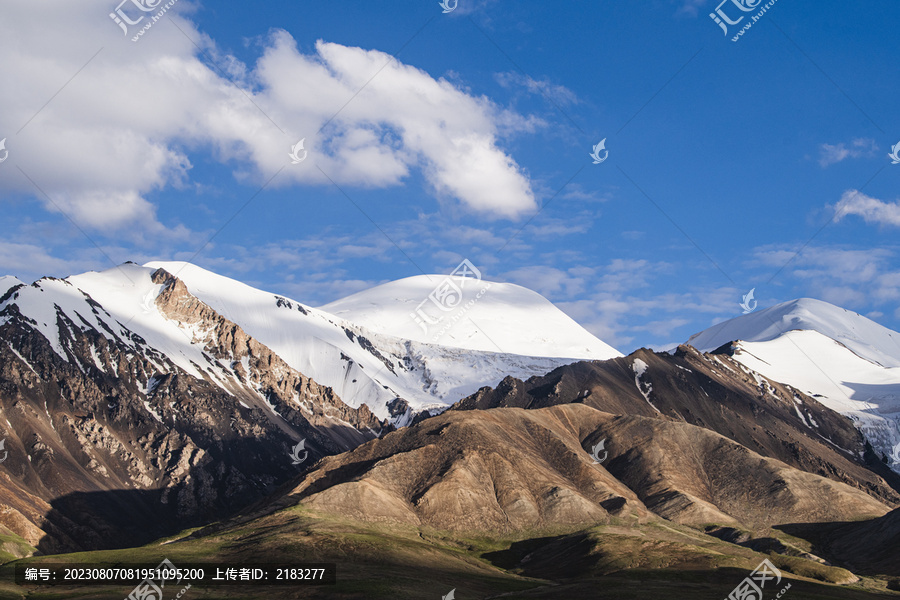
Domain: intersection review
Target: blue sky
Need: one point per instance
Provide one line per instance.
(761, 163)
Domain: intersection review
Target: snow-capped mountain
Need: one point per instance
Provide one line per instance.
(118, 301)
(176, 396)
(199, 393)
(848, 362)
(493, 317)
(370, 362)
(123, 385)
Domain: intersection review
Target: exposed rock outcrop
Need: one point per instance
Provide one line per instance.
(109, 443)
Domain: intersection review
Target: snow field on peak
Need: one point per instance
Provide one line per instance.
(838, 378)
(361, 365)
(119, 303)
(476, 315)
(863, 336)
(846, 361)
(8, 282)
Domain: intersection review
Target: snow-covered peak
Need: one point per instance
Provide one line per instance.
(375, 357)
(7, 282)
(373, 365)
(486, 316)
(847, 362)
(115, 302)
(861, 335)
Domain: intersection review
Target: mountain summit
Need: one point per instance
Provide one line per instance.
(506, 318)
(194, 390)
(371, 351)
(848, 362)
(864, 337)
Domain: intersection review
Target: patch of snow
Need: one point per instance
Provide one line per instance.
(152, 411)
(96, 357)
(800, 415)
(22, 358)
(640, 367)
(271, 407)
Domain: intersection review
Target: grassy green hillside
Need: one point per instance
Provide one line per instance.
(386, 561)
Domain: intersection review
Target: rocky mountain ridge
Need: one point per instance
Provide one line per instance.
(111, 443)
(715, 392)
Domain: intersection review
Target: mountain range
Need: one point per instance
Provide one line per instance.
(470, 426)
(846, 361)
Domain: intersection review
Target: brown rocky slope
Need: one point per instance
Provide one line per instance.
(112, 444)
(714, 392)
(513, 472)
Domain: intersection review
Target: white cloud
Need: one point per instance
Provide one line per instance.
(662, 328)
(577, 192)
(557, 94)
(870, 209)
(830, 154)
(850, 278)
(556, 228)
(29, 262)
(609, 300)
(123, 126)
(616, 317)
(548, 281)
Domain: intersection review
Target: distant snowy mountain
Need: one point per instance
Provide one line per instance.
(501, 317)
(7, 282)
(863, 336)
(363, 355)
(119, 302)
(373, 353)
(849, 362)
(124, 386)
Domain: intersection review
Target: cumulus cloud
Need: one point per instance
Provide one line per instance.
(830, 154)
(123, 117)
(559, 95)
(30, 262)
(548, 281)
(870, 209)
(607, 299)
(849, 277)
(616, 317)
